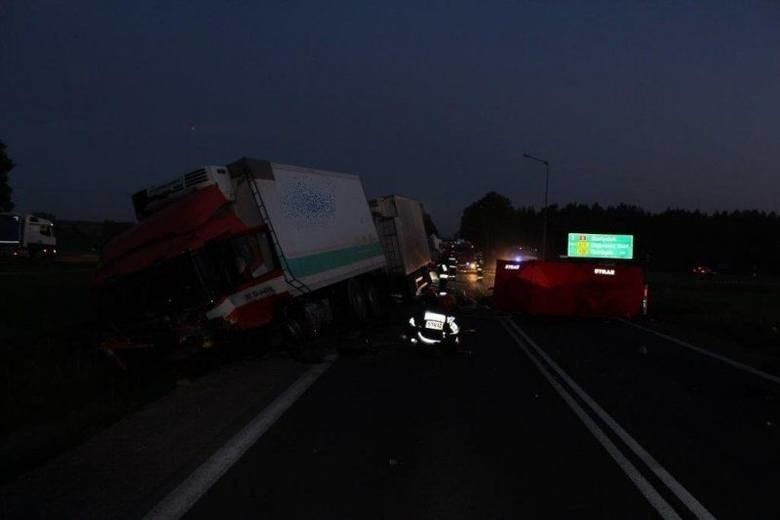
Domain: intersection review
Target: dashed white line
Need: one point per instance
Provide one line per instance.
(650, 493)
(705, 352)
(180, 500)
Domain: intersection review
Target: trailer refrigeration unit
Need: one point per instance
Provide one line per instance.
(226, 249)
(401, 228)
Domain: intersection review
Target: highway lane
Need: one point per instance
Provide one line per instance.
(627, 425)
(408, 434)
(501, 432)
(711, 425)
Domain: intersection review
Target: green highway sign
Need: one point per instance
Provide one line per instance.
(593, 245)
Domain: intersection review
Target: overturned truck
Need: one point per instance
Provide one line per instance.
(227, 249)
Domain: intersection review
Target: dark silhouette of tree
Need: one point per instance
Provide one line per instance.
(673, 240)
(6, 165)
(484, 222)
(430, 226)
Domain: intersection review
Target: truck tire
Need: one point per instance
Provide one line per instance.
(356, 301)
(373, 300)
(294, 326)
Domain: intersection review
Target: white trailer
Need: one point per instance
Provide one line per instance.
(401, 228)
(319, 221)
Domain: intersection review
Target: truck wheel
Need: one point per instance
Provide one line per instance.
(373, 300)
(356, 301)
(294, 326)
(312, 322)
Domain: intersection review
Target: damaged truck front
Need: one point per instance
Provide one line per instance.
(225, 250)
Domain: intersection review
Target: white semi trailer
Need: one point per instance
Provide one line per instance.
(400, 225)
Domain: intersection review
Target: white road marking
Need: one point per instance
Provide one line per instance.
(645, 487)
(181, 499)
(724, 359)
(671, 483)
(43, 271)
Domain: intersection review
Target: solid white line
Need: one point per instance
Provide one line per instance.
(43, 271)
(181, 499)
(674, 486)
(724, 359)
(646, 488)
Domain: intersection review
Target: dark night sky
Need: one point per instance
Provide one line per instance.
(673, 105)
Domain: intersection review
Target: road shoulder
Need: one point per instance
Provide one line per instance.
(123, 471)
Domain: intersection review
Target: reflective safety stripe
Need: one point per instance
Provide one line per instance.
(434, 316)
(427, 340)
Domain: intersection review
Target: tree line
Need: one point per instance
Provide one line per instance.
(6, 165)
(672, 240)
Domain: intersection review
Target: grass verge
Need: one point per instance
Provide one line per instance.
(743, 311)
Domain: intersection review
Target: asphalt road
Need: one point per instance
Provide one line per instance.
(409, 434)
(533, 418)
(712, 426)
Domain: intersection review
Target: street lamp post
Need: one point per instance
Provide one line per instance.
(546, 193)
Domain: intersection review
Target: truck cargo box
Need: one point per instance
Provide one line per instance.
(401, 228)
(321, 220)
(224, 250)
(568, 288)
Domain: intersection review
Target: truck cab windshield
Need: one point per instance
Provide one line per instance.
(9, 229)
(228, 264)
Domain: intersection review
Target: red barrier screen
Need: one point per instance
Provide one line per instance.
(567, 288)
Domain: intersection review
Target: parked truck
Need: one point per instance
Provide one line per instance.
(26, 237)
(227, 249)
(401, 229)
